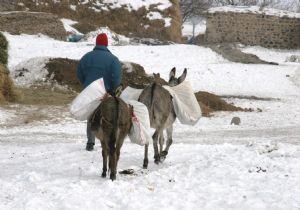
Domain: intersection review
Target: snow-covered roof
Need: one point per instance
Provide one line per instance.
(136, 4)
(129, 4)
(255, 10)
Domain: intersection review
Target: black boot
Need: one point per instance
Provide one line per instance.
(89, 146)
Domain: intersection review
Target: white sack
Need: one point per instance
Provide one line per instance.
(130, 93)
(186, 106)
(140, 132)
(88, 100)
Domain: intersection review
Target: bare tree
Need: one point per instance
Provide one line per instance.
(193, 8)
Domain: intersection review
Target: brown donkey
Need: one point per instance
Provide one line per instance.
(110, 123)
(162, 115)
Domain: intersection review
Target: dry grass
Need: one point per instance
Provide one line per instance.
(210, 103)
(85, 27)
(45, 96)
(8, 93)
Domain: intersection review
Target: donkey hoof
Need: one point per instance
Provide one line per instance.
(162, 158)
(112, 177)
(157, 161)
(164, 153)
(89, 147)
(145, 164)
(103, 175)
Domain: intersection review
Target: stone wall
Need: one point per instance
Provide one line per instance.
(253, 29)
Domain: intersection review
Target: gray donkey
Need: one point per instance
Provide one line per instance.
(162, 115)
(110, 123)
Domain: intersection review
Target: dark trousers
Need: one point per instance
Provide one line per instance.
(90, 135)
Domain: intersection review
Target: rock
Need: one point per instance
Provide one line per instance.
(235, 121)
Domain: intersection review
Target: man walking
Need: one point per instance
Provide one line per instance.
(99, 63)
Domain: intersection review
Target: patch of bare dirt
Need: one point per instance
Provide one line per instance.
(23, 114)
(45, 95)
(250, 98)
(211, 103)
(63, 71)
(32, 23)
(232, 53)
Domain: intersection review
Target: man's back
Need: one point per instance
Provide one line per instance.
(99, 63)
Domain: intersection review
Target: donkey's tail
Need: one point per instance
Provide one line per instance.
(152, 100)
(115, 124)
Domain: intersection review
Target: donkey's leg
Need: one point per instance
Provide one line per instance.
(90, 136)
(169, 141)
(104, 157)
(161, 141)
(112, 162)
(155, 146)
(120, 140)
(145, 164)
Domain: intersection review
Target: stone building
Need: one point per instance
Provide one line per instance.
(251, 26)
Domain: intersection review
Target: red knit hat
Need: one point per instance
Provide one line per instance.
(102, 40)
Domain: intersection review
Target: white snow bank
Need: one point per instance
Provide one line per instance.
(296, 77)
(68, 26)
(187, 28)
(63, 175)
(25, 47)
(158, 16)
(255, 10)
(113, 38)
(30, 71)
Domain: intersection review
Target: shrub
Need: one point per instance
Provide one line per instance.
(3, 42)
(3, 56)
(7, 88)
(3, 49)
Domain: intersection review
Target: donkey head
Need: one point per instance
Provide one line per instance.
(173, 80)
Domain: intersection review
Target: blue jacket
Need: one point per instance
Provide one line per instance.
(100, 63)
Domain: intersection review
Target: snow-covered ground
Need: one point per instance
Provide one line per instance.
(257, 10)
(213, 165)
(198, 26)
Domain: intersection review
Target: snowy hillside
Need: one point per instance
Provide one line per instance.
(130, 5)
(213, 165)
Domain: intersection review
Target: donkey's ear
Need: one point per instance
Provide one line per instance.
(156, 75)
(183, 76)
(172, 72)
